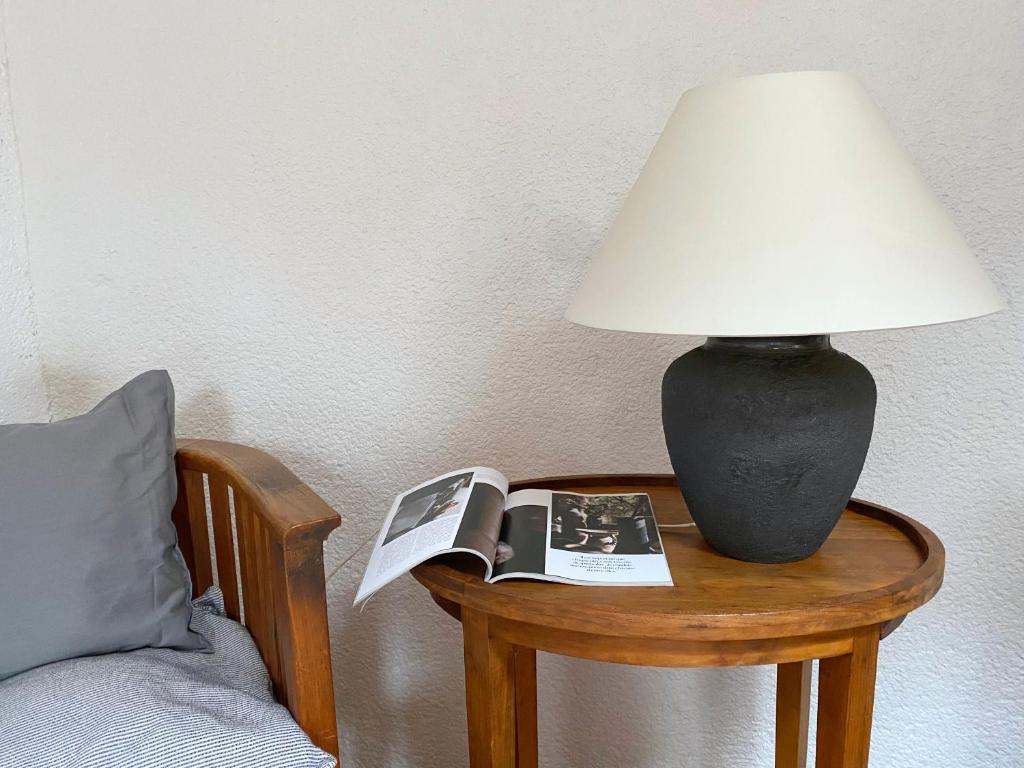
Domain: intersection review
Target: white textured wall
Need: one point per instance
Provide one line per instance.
(350, 229)
(22, 394)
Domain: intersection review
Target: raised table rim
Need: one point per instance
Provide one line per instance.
(855, 609)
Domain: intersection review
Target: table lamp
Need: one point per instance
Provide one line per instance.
(773, 211)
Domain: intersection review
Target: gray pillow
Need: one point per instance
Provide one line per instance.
(88, 553)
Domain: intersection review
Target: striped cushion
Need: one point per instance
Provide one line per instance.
(155, 707)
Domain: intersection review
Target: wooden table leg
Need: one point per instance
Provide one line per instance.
(526, 707)
(792, 714)
(846, 694)
(490, 694)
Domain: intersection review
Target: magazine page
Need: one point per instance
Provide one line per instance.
(457, 512)
(611, 538)
(608, 539)
(523, 541)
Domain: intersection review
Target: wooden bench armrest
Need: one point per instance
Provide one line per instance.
(276, 588)
(288, 506)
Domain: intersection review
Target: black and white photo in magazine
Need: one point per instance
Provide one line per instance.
(604, 525)
(427, 504)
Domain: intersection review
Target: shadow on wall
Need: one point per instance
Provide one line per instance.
(596, 714)
(398, 676)
(202, 412)
(73, 391)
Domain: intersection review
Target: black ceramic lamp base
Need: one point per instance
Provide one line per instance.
(767, 437)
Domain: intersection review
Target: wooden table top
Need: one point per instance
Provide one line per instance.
(878, 565)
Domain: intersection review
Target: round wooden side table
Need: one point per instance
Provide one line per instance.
(876, 567)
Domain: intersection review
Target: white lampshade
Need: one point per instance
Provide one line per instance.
(780, 205)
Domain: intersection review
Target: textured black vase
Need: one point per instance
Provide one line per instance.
(767, 438)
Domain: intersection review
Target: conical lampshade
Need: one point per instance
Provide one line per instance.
(780, 205)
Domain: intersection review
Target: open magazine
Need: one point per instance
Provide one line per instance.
(605, 539)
